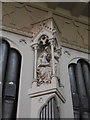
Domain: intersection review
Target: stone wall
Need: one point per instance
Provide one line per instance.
(17, 20)
(19, 17)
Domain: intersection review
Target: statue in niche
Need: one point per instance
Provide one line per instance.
(44, 62)
(44, 68)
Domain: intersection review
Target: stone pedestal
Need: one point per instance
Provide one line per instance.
(39, 96)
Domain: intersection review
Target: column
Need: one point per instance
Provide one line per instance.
(54, 77)
(35, 65)
(52, 54)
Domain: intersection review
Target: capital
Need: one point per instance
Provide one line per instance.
(35, 46)
(52, 41)
(34, 81)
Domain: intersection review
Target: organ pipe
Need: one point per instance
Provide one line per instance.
(80, 80)
(81, 87)
(5, 52)
(85, 115)
(73, 85)
(72, 78)
(50, 110)
(11, 84)
(80, 84)
(76, 114)
(86, 73)
(47, 115)
(75, 97)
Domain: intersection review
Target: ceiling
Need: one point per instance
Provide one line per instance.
(76, 8)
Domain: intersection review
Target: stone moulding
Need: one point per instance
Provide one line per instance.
(47, 50)
(44, 90)
(75, 38)
(17, 31)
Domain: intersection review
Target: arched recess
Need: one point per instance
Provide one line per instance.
(43, 60)
(50, 110)
(10, 65)
(79, 73)
(46, 57)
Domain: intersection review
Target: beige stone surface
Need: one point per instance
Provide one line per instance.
(21, 16)
(24, 101)
(18, 17)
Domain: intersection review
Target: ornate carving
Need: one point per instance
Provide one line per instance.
(40, 100)
(46, 36)
(67, 53)
(57, 54)
(44, 61)
(23, 41)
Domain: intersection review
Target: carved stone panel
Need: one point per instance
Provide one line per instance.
(46, 58)
(44, 61)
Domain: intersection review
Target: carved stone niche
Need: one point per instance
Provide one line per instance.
(44, 70)
(46, 52)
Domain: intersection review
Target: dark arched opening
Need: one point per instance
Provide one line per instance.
(10, 68)
(80, 87)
